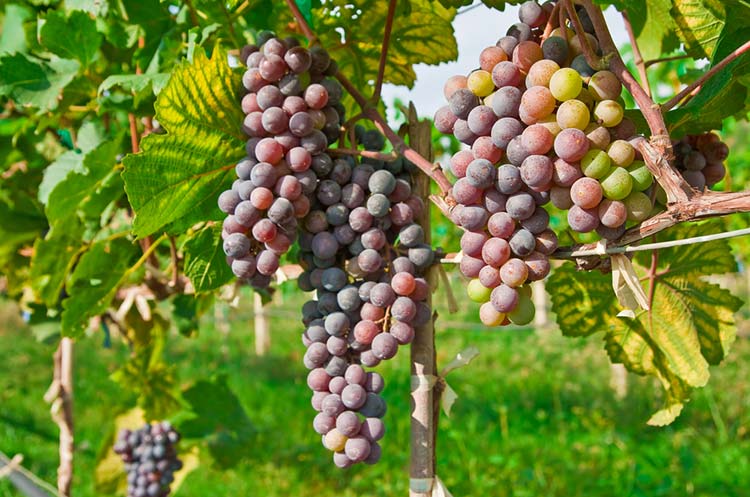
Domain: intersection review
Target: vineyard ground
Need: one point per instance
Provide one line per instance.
(535, 416)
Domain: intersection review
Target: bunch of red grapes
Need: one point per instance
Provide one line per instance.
(541, 126)
(364, 257)
(293, 113)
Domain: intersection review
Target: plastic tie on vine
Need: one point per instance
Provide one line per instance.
(449, 396)
(627, 286)
(434, 486)
(601, 247)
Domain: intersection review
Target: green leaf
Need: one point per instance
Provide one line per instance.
(94, 281)
(217, 416)
(690, 326)
(653, 25)
(139, 84)
(594, 297)
(187, 311)
(87, 190)
(72, 37)
(53, 259)
(424, 36)
(205, 262)
(192, 163)
(147, 374)
(31, 82)
(13, 33)
(700, 23)
(57, 172)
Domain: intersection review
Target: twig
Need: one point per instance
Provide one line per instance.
(651, 62)
(384, 49)
(398, 143)
(675, 186)
(650, 110)
(637, 57)
(362, 153)
(309, 34)
(696, 85)
(175, 261)
(551, 23)
(588, 51)
(133, 133)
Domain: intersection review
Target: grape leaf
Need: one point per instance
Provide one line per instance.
(57, 172)
(700, 23)
(217, 416)
(136, 83)
(88, 190)
(146, 374)
(205, 262)
(13, 34)
(72, 37)
(30, 81)
(178, 171)
(690, 325)
(92, 285)
(53, 259)
(425, 36)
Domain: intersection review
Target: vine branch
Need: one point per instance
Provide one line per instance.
(698, 83)
(306, 30)
(384, 50)
(637, 57)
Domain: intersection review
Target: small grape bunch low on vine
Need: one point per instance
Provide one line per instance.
(150, 457)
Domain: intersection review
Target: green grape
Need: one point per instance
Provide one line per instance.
(609, 113)
(617, 184)
(524, 290)
(480, 83)
(661, 195)
(585, 96)
(524, 312)
(478, 292)
(639, 206)
(565, 84)
(550, 122)
(573, 114)
(622, 153)
(595, 164)
(642, 177)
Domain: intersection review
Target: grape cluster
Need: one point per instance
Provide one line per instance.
(365, 257)
(541, 126)
(150, 458)
(293, 113)
(700, 159)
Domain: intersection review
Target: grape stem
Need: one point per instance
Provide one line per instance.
(698, 83)
(384, 50)
(637, 57)
(302, 22)
(362, 153)
(398, 143)
(651, 62)
(593, 60)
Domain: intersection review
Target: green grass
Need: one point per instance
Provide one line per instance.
(535, 417)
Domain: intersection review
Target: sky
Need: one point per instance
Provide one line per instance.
(475, 29)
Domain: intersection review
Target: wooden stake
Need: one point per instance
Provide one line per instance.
(424, 397)
(262, 326)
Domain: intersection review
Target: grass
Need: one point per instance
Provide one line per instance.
(535, 417)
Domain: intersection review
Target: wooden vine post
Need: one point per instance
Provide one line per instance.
(60, 395)
(424, 376)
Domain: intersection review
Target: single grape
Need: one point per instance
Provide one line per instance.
(617, 184)
(573, 114)
(565, 84)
